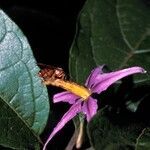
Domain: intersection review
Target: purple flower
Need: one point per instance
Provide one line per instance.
(97, 82)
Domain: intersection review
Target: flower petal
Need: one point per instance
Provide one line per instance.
(65, 97)
(89, 108)
(74, 109)
(102, 82)
(91, 78)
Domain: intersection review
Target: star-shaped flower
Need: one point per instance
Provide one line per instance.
(80, 97)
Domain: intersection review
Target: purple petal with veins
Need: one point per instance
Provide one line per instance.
(74, 109)
(91, 78)
(65, 97)
(103, 81)
(89, 108)
(96, 82)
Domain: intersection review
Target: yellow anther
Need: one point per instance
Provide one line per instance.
(73, 87)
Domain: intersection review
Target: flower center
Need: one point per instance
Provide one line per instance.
(73, 87)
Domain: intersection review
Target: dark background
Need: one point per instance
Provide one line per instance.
(49, 27)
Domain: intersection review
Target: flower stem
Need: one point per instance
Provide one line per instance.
(79, 141)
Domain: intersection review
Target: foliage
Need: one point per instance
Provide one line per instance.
(23, 98)
(115, 33)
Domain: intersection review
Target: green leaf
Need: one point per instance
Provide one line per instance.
(23, 98)
(108, 131)
(116, 33)
(14, 133)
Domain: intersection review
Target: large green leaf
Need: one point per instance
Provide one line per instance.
(116, 33)
(108, 131)
(24, 105)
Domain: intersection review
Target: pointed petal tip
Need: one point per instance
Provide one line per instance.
(44, 148)
(144, 71)
(105, 80)
(71, 113)
(139, 69)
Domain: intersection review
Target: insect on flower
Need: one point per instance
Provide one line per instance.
(52, 73)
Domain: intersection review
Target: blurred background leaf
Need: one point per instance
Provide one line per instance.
(116, 33)
(108, 131)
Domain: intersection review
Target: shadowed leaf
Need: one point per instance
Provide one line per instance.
(108, 131)
(116, 33)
